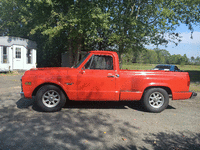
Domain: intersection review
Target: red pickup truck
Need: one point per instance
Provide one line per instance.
(98, 78)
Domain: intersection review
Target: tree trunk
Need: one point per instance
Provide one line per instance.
(78, 51)
(70, 53)
(121, 50)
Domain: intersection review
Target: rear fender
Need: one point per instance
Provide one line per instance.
(163, 86)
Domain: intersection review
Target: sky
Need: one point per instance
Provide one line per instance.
(188, 46)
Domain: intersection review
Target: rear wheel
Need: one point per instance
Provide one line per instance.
(155, 100)
(50, 98)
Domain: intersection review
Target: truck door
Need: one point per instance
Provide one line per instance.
(97, 79)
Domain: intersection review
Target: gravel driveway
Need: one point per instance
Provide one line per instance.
(95, 125)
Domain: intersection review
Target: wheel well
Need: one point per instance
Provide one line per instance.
(167, 89)
(37, 88)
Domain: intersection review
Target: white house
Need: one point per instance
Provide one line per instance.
(17, 54)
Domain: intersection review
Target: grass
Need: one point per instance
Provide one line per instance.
(11, 73)
(193, 70)
(137, 66)
(195, 87)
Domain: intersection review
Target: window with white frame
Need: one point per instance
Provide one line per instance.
(5, 54)
(29, 56)
(18, 53)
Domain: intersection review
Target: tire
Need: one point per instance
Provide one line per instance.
(155, 100)
(50, 98)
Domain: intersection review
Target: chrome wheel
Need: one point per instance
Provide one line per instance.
(51, 98)
(156, 100)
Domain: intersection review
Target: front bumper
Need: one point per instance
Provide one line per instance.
(194, 94)
(22, 94)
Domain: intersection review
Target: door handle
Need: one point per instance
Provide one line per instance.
(111, 76)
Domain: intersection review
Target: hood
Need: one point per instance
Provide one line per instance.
(51, 68)
(48, 71)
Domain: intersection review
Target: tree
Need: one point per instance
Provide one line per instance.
(197, 60)
(192, 60)
(163, 55)
(150, 57)
(98, 24)
(184, 60)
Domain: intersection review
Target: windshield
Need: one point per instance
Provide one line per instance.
(163, 67)
(81, 61)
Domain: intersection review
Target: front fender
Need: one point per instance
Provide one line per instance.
(31, 90)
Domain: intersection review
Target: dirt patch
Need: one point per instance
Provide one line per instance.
(9, 81)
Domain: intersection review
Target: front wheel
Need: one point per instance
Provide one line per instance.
(50, 98)
(155, 100)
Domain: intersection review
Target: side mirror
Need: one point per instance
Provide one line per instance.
(82, 70)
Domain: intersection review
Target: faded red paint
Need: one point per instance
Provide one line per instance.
(105, 85)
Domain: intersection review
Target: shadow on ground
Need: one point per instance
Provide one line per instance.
(174, 141)
(81, 129)
(68, 129)
(166, 141)
(24, 103)
(136, 105)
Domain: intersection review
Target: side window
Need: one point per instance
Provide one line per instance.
(18, 53)
(176, 68)
(87, 65)
(5, 54)
(28, 56)
(101, 62)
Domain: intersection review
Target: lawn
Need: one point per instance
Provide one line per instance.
(193, 70)
(137, 66)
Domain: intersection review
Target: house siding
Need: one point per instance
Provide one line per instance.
(17, 63)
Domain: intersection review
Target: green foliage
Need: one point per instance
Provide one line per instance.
(163, 55)
(197, 60)
(157, 56)
(124, 26)
(137, 66)
(150, 57)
